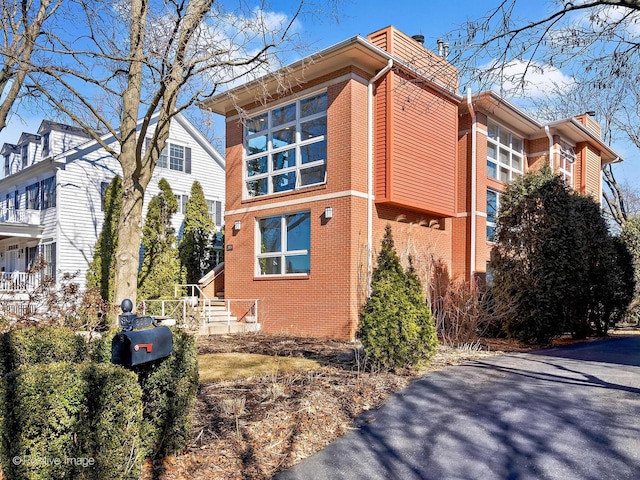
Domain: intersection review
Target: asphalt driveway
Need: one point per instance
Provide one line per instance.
(562, 413)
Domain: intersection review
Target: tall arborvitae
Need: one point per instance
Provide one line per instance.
(160, 269)
(101, 273)
(396, 327)
(196, 246)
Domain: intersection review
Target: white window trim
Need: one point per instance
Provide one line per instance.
(298, 143)
(167, 146)
(513, 172)
(283, 253)
(567, 157)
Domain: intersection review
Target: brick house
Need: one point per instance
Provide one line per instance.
(366, 133)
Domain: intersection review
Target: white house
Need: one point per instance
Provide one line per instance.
(52, 191)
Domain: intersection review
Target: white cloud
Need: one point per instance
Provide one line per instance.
(529, 79)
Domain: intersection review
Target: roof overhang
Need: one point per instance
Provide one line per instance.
(568, 128)
(44, 166)
(355, 51)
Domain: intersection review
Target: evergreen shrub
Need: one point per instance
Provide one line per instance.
(70, 420)
(396, 326)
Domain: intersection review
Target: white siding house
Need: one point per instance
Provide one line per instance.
(53, 186)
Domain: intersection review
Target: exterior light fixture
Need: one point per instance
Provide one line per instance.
(328, 212)
(237, 225)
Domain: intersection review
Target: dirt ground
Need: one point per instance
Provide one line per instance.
(256, 427)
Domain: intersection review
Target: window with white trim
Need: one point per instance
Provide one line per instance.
(504, 153)
(493, 205)
(33, 196)
(215, 211)
(286, 147)
(48, 193)
(567, 159)
(284, 244)
(175, 157)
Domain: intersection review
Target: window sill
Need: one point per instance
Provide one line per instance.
(301, 276)
(311, 188)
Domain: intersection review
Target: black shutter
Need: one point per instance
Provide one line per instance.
(187, 160)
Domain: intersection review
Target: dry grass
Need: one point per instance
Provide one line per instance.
(230, 366)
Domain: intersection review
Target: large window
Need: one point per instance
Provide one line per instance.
(567, 159)
(286, 147)
(33, 196)
(504, 153)
(284, 244)
(48, 193)
(175, 157)
(493, 205)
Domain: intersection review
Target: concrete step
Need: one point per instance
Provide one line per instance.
(222, 328)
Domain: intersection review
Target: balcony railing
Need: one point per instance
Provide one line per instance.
(22, 216)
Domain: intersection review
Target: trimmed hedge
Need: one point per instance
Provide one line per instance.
(42, 344)
(63, 393)
(169, 389)
(66, 420)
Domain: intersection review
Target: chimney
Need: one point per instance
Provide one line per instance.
(419, 39)
(440, 47)
(445, 51)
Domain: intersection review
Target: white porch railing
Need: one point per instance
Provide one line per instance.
(18, 281)
(23, 216)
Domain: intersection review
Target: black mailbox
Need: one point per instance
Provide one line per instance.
(132, 347)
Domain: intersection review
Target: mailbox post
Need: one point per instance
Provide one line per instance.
(140, 340)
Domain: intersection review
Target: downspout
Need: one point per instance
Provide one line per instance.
(370, 170)
(550, 137)
(474, 186)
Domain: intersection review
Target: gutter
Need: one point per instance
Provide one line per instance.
(550, 137)
(370, 169)
(474, 180)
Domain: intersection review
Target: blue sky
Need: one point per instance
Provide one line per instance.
(431, 18)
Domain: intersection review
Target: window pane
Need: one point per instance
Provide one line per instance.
(313, 105)
(504, 157)
(313, 152)
(258, 187)
(492, 170)
(256, 166)
(298, 231)
(492, 151)
(516, 144)
(257, 145)
(491, 206)
(314, 128)
(269, 266)
(257, 124)
(491, 231)
(284, 137)
(284, 159)
(163, 159)
(504, 174)
(270, 235)
(176, 157)
(297, 264)
(310, 176)
(516, 162)
(283, 115)
(492, 130)
(284, 182)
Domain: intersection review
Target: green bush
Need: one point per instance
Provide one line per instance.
(41, 344)
(67, 420)
(396, 327)
(169, 389)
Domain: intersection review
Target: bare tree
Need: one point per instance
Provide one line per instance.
(595, 42)
(148, 60)
(21, 24)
